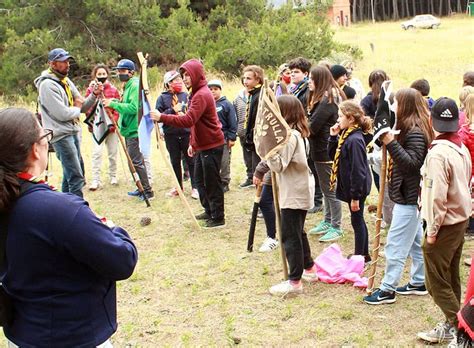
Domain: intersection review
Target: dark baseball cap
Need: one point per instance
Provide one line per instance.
(58, 55)
(445, 115)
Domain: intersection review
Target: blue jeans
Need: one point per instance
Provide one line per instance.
(403, 239)
(68, 152)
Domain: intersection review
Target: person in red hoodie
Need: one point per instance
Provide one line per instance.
(206, 143)
(100, 73)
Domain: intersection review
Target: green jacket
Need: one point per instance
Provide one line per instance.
(128, 109)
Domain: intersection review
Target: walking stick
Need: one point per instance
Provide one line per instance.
(278, 224)
(134, 173)
(176, 182)
(253, 221)
(378, 223)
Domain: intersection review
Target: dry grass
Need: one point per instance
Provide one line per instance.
(201, 288)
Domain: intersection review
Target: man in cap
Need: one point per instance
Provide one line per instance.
(446, 207)
(128, 122)
(206, 143)
(339, 73)
(60, 105)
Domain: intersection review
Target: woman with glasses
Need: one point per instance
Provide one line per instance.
(61, 260)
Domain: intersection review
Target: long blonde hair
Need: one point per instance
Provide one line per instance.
(469, 108)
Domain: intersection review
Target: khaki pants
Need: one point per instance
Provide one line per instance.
(111, 142)
(442, 269)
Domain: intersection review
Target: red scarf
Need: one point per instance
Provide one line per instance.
(34, 179)
(451, 136)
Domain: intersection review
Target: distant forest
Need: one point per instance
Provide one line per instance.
(396, 9)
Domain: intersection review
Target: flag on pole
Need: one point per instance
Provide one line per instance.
(385, 118)
(145, 123)
(99, 121)
(271, 131)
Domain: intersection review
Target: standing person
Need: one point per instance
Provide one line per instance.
(423, 86)
(352, 81)
(296, 197)
(173, 102)
(446, 207)
(226, 113)
(283, 80)
(407, 152)
(60, 105)
(468, 79)
(347, 146)
(101, 73)
(253, 80)
(324, 97)
(61, 260)
(127, 107)
(300, 68)
(240, 105)
(206, 143)
(339, 73)
(463, 94)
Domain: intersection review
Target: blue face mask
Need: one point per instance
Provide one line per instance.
(124, 77)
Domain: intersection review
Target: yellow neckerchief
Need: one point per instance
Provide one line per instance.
(247, 108)
(335, 163)
(66, 86)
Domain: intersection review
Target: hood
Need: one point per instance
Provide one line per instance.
(367, 136)
(195, 70)
(45, 75)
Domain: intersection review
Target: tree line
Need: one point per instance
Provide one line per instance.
(396, 9)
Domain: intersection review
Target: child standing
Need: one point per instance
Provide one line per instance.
(423, 86)
(296, 187)
(100, 73)
(349, 138)
(446, 207)
(226, 113)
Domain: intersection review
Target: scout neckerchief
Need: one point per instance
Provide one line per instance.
(33, 179)
(335, 163)
(249, 101)
(64, 82)
(299, 87)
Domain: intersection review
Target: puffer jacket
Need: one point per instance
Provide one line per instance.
(407, 160)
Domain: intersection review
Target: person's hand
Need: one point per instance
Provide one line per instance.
(256, 181)
(387, 138)
(106, 102)
(355, 205)
(335, 129)
(98, 89)
(190, 151)
(430, 239)
(155, 115)
(230, 143)
(178, 107)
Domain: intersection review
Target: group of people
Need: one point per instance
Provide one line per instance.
(69, 297)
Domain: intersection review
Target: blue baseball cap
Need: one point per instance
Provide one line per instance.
(58, 55)
(125, 64)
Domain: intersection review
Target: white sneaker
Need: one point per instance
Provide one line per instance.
(94, 185)
(310, 275)
(441, 333)
(195, 194)
(268, 244)
(113, 181)
(286, 288)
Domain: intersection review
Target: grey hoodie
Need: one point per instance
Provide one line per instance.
(56, 113)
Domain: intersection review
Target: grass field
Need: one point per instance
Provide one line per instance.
(201, 288)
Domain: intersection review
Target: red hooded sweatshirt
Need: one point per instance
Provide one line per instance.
(201, 117)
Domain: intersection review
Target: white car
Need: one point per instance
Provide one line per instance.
(426, 21)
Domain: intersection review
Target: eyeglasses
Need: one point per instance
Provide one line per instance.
(48, 134)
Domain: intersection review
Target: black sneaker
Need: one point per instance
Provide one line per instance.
(380, 297)
(225, 188)
(150, 195)
(247, 183)
(412, 290)
(316, 209)
(211, 223)
(203, 216)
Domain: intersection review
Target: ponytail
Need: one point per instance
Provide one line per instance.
(9, 188)
(352, 109)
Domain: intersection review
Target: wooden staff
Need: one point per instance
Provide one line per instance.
(276, 203)
(134, 173)
(253, 221)
(378, 223)
(159, 143)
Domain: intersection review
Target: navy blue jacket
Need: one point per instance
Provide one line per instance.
(163, 105)
(61, 266)
(367, 104)
(353, 176)
(227, 116)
